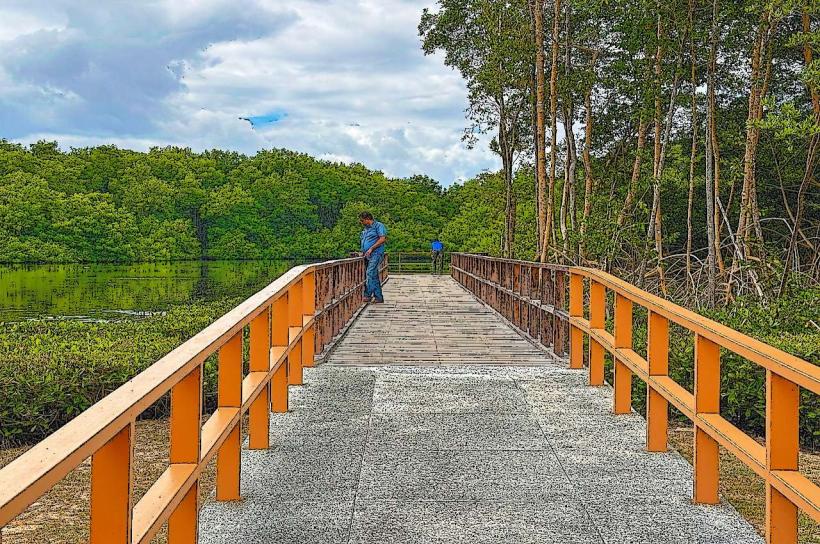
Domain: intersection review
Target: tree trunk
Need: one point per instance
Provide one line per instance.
(654, 229)
(535, 170)
(554, 134)
(712, 137)
(540, 129)
(569, 121)
(690, 283)
(587, 158)
(506, 150)
(749, 217)
(563, 216)
(569, 176)
(711, 226)
(808, 175)
(636, 173)
(747, 223)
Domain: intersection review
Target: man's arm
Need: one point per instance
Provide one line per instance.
(380, 241)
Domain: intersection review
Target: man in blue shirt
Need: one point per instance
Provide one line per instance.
(437, 255)
(374, 237)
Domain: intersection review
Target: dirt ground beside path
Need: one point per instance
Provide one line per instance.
(745, 490)
(61, 516)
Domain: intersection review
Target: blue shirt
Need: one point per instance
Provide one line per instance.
(437, 246)
(371, 234)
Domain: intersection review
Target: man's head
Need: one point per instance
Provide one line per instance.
(366, 218)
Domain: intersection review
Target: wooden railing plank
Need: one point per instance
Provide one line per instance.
(162, 498)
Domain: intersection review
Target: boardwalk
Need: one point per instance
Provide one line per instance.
(430, 320)
(405, 436)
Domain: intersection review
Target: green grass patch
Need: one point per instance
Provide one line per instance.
(53, 370)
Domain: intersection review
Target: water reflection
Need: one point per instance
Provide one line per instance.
(115, 291)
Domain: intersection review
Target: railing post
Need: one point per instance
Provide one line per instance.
(576, 309)
(308, 311)
(622, 375)
(229, 395)
(295, 323)
(597, 308)
(707, 401)
(259, 415)
(657, 407)
(559, 325)
(782, 450)
(186, 430)
(183, 525)
(279, 338)
(111, 487)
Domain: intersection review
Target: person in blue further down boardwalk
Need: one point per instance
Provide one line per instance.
(374, 236)
(437, 256)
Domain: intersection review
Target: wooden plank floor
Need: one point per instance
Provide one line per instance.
(430, 320)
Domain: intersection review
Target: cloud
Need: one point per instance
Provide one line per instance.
(341, 79)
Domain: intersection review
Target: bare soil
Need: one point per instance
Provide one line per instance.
(745, 490)
(61, 516)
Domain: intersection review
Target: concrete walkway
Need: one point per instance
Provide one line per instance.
(460, 452)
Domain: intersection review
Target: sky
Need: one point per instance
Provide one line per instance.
(342, 80)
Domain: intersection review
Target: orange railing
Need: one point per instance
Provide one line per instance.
(787, 489)
(290, 320)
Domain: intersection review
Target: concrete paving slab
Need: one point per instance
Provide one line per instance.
(410, 522)
(461, 475)
(479, 432)
(355, 396)
(319, 430)
(596, 430)
(601, 462)
(457, 396)
(266, 521)
(672, 519)
(298, 473)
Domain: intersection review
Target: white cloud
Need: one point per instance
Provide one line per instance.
(349, 75)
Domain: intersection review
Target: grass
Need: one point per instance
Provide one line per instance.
(745, 490)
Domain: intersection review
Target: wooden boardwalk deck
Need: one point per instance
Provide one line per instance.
(431, 320)
(434, 422)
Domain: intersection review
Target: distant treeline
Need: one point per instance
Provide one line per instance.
(109, 204)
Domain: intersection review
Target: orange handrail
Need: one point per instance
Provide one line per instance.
(290, 320)
(787, 489)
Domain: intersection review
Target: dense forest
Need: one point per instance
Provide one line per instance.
(109, 204)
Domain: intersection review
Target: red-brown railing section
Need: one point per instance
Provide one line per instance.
(290, 319)
(531, 296)
(339, 287)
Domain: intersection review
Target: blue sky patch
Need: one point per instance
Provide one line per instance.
(266, 119)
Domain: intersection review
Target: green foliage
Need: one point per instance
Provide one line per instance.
(107, 204)
(53, 370)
